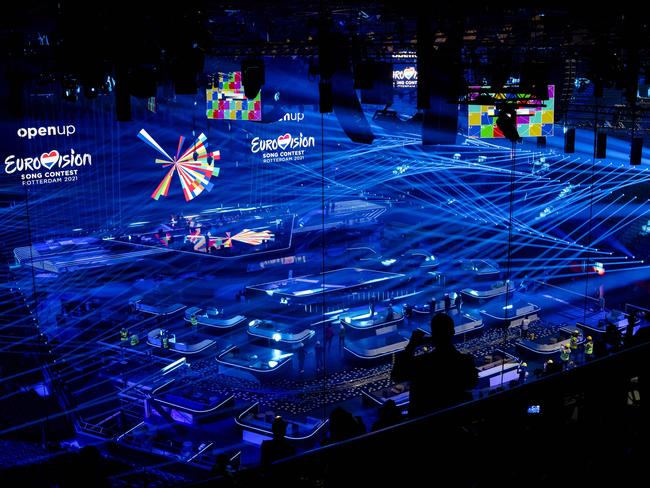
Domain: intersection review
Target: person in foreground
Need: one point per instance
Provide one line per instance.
(439, 378)
(278, 447)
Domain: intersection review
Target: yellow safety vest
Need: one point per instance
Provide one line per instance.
(124, 335)
(589, 348)
(194, 321)
(565, 355)
(574, 342)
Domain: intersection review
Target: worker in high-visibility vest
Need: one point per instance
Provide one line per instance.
(589, 349)
(194, 322)
(135, 339)
(124, 334)
(549, 367)
(565, 356)
(573, 344)
(164, 339)
(522, 371)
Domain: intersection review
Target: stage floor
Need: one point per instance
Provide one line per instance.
(343, 280)
(234, 365)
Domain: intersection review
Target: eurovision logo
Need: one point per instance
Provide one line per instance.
(410, 73)
(405, 78)
(283, 148)
(284, 141)
(50, 159)
(195, 166)
(49, 167)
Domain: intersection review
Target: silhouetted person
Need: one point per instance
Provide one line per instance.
(628, 340)
(389, 414)
(329, 336)
(223, 468)
(371, 307)
(390, 313)
(343, 425)
(600, 348)
(440, 378)
(447, 303)
(612, 337)
(278, 447)
(432, 306)
(302, 354)
(407, 310)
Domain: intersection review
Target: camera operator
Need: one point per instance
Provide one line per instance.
(440, 378)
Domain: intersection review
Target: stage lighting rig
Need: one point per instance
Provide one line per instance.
(483, 98)
(71, 88)
(507, 122)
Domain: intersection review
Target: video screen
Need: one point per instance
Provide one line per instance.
(226, 100)
(405, 74)
(532, 121)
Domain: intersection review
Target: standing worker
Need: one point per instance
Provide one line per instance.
(523, 372)
(302, 354)
(589, 349)
(390, 313)
(318, 350)
(565, 356)
(573, 343)
(329, 335)
(372, 306)
(341, 337)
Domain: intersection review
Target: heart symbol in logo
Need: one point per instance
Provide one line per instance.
(49, 159)
(284, 141)
(409, 72)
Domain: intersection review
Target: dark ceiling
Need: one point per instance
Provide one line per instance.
(610, 48)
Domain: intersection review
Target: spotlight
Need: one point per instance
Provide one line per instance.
(71, 88)
(507, 123)
(91, 91)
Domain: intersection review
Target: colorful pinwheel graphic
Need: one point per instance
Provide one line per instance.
(195, 166)
(247, 236)
(254, 238)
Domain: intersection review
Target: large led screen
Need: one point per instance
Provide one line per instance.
(534, 117)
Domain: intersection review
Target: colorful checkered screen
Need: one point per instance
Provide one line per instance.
(531, 121)
(226, 99)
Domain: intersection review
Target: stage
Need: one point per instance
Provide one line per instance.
(206, 274)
